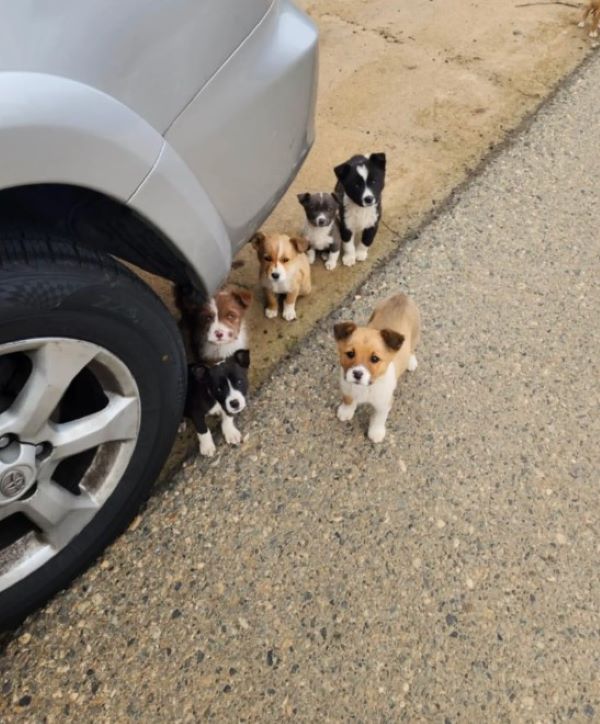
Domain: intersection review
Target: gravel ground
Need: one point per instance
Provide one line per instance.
(449, 574)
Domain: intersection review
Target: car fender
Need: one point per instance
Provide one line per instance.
(55, 130)
(59, 131)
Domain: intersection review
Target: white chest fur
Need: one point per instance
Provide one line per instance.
(357, 218)
(280, 286)
(319, 237)
(212, 351)
(379, 394)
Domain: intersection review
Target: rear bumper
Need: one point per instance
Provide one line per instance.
(248, 131)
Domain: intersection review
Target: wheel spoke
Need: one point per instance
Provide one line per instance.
(118, 420)
(54, 366)
(58, 514)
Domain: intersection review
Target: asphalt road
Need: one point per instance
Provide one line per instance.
(449, 574)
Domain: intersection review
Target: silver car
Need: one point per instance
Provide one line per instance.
(158, 133)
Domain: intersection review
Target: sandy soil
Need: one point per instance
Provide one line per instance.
(434, 85)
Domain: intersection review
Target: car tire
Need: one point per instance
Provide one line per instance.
(68, 312)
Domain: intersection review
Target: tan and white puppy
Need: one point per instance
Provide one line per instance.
(284, 269)
(372, 358)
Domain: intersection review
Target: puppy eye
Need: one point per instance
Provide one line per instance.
(351, 354)
(267, 258)
(238, 383)
(231, 316)
(374, 359)
(285, 260)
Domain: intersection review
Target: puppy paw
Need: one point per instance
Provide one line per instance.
(270, 313)
(581, 24)
(345, 412)
(376, 434)
(349, 260)
(412, 363)
(331, 261)
(289, 312)
(594, 34)
(207, 445)
(232, 435)
(311, 256)
(361, 254)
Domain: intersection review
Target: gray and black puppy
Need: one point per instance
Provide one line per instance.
(321, 229)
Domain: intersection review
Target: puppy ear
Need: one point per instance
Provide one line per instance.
(342, 330)
(300, 244)
(303, 198)
(199, 372)
(242, 296)
(393, 340)
(257, 240)
(242, 357)
(378, 159)
(336, 198)
(342, 170)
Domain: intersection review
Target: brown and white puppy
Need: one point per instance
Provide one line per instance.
(284, 269)
(372, 358)
(217, 327)
(591, 17)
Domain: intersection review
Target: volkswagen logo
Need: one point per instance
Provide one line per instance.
(12, 483)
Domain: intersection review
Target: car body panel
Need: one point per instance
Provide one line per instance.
(247, 132)
(55, 130)
(152, 56)
(176, 203)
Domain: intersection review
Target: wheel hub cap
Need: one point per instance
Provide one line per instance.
(17, 471)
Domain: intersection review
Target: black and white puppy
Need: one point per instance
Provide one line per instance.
(359, 187)
(217, 390)
(321, 228)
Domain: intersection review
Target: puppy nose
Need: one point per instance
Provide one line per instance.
(320, 221)
(234, 404)
(219, 334)
(275, 275)
(368, 199)
(357, 374)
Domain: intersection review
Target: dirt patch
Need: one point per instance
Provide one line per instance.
(432, 84)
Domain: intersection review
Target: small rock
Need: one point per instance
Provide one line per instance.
(135, 523)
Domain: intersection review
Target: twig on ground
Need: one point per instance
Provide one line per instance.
(551, 2)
